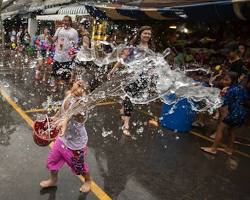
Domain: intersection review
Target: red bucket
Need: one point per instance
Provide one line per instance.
(42, 135)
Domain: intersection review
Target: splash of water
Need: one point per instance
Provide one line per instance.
(146, 76)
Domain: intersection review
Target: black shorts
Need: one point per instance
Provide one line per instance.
(127, 107)
(133, 90)
(62, 70)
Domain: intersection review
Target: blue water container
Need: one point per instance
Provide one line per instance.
(180, 118)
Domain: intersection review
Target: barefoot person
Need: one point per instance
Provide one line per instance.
(71, 145)
(234, 113)
(65, 39)
(142, 40)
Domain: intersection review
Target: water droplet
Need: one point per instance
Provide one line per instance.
(106, 133)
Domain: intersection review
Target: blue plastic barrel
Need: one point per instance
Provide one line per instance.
(180, 118)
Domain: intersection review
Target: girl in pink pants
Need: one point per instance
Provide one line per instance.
(70, 146)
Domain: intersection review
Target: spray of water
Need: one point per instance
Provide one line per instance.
(146, 76)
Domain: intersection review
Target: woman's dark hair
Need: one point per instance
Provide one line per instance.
(233, 76)
(136, 40)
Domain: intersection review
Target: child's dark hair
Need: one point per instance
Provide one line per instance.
(233, 76)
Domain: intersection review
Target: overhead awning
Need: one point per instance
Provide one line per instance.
(51, 11)
(36, 8)
(53, 17)
(15, 9)
(218, 10)
(123, 12)
(74, 10)
(55, 2)
(165, 3)
(9, 14)
(197, 10)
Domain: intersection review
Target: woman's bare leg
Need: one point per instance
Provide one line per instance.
(230, 147)
(218, 138)
(125, 127)
(219, 135)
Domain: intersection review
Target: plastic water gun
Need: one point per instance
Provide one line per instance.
(37, 42)
(43, 44)
(72, 51)
(50, 59)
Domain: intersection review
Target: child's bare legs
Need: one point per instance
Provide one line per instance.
(218, 137)
(45, 76)
(51, 181)
(38, 70)
(231, 141)
(229, 149)
(86, 185)
(56, 84)
(126, 120)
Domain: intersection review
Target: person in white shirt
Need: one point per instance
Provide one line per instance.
(66, 39)
(20, 37)
(13, 34)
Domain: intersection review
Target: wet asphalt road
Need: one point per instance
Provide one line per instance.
(155, 164)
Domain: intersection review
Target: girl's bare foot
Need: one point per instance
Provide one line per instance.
(125, 131)
(213, 135)
(48, 183)
(85, 187)
(226, 150)
(209, 150)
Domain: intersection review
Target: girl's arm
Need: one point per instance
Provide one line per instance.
(124, 55)
(86, 41)
(63, 126)
(228, 96)
(56, 116)
(50, 38)
(213, 78)
(63, 120)
(113, 70)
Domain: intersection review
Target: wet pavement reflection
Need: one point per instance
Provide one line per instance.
(154, 164)
(6, 126)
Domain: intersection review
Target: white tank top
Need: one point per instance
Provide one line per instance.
(75, 136)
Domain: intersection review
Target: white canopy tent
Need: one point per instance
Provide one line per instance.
(53, 17)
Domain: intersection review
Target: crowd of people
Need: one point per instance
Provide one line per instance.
(231, 75)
